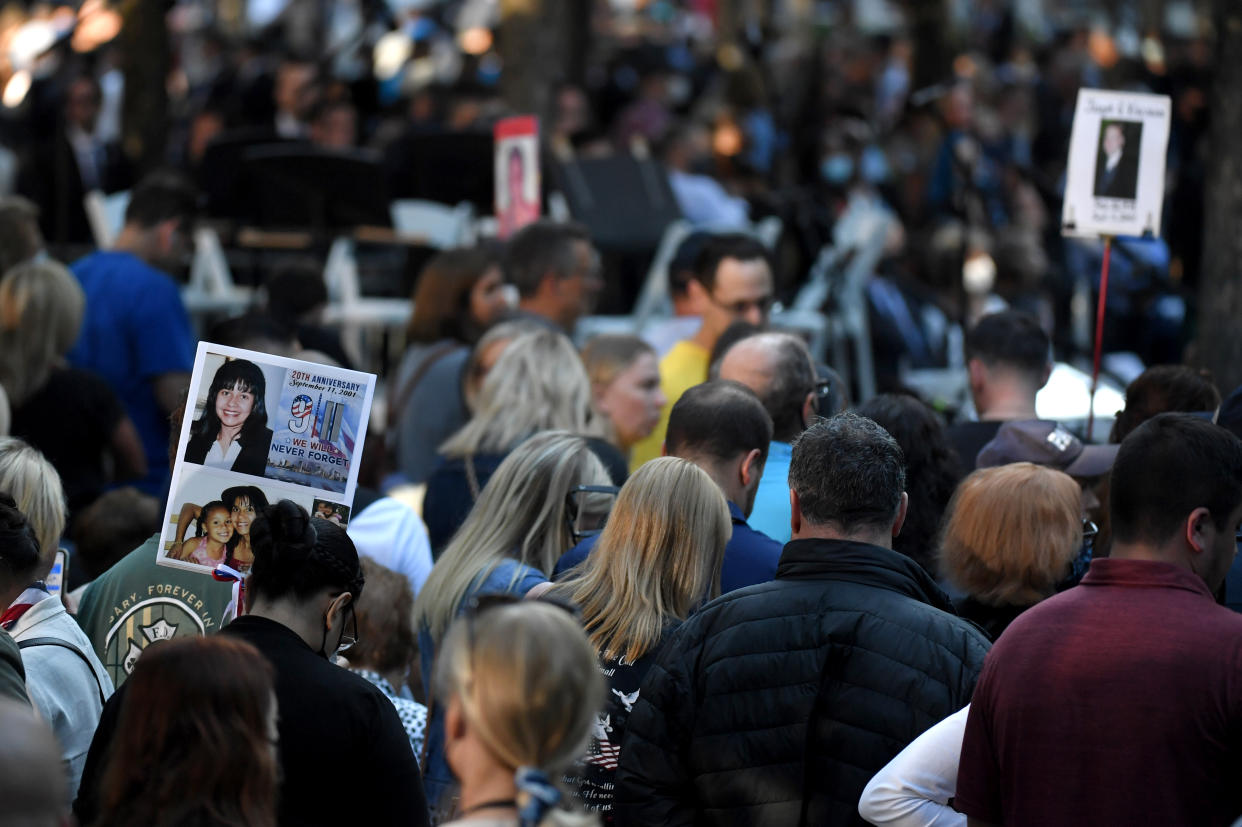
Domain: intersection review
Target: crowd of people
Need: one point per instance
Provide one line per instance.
(956, 123)
(685, 576)
(800, 611)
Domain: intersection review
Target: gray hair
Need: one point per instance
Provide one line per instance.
(791, 378)
(41, 308)
(847, 471)
(539, 248)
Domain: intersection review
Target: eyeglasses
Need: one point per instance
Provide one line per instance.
(349, 637)
(1089, 532)
(587, 508)
(824, 391)
(739, 308)
(481, 604)
(474, 607)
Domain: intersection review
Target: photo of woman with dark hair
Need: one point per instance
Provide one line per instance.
(232, 433)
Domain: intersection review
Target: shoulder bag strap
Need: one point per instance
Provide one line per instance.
(397, 403)
(51, 641)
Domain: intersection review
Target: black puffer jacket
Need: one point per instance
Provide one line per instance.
(777, 703)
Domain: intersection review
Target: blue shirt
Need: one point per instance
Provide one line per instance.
(749, 558)
(771, 513)
(135, 328)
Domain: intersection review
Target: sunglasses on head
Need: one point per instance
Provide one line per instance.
(587, 508)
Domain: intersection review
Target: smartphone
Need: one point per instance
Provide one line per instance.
(59, 574)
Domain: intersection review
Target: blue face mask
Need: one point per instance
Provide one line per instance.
(873, 166)
(1081, 561)
(837, 168)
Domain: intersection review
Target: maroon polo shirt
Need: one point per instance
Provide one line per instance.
(1117, 702)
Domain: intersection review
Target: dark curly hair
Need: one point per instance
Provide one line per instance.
(932, 470)
(19, 545)
(297, 555)
(847, 470)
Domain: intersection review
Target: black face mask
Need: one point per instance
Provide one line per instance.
(702, 165)
(349, 636)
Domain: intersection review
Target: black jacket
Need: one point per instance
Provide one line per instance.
(777, 703)
(343, 751)
(251, 460)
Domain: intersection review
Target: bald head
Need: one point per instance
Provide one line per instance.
(778, 368)
(32, 778)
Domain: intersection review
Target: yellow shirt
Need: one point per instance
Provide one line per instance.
(683, 367)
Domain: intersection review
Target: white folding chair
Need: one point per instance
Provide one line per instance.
(347, 306)
(437, 225)
(839, 279)
(211, 288)
(106, 215)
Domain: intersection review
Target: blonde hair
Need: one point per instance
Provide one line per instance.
(604, 357)
(529, 687)
(41, 307)
(501, 332)
(1011, 533)
(658, 557)
(27, 477)
(537, 384)
(520, 514)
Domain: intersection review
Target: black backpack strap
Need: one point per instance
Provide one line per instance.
(63, 644)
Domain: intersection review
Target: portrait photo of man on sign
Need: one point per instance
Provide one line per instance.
(1116, 168)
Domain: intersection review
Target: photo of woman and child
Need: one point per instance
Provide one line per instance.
(332, 512)
(222, 529)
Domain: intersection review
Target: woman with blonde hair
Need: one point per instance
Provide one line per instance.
(658, 557)
(72, 416)
(509, 544)
(64, 677)
(625, 387)
(537, 384)
(1011, 535)
(521, 688)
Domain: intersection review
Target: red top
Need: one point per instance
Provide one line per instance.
(1117, 702)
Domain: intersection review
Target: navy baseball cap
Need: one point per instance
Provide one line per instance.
(1046, 443)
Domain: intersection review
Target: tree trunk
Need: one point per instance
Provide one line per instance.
(145, 62)
(542, 44)
(1219, 344)
(933, 58)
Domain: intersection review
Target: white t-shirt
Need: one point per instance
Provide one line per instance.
(392, 534)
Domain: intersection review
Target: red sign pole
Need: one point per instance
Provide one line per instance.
(1099, 334)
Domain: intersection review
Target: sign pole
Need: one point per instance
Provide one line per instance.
(1099, 334)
